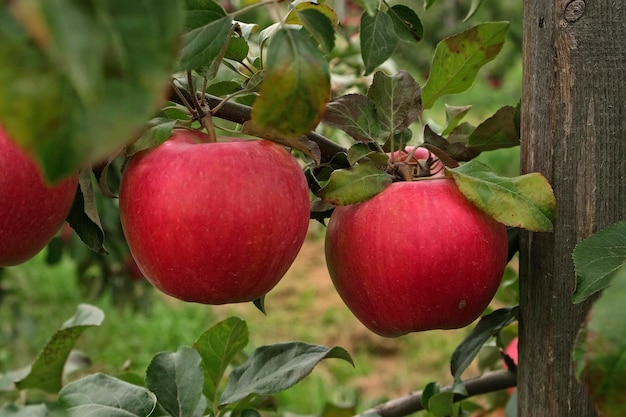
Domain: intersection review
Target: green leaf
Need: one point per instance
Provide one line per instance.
(428, 3)
(397, 100)
(526, 201)
(602, 364)
(159, 130)
(488, 326)
(407, 23)
(459, 57)
(441, 404)
(454, 115)
(208, 30)
(354, 185)
(176, 378)
(296, 86)
(319, 26)
(47, 370)
(83, 216)
(294, 17)
(431, 389)
(274, 368)
(355, 114)
(101, 395)
(218, 346)
(361, 151)
(598, 259)
(79, 79)
(237, 49)
(378, 39)
(497, 132)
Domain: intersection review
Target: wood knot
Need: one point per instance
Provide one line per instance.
(574, 10)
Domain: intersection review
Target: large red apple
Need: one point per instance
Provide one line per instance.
(32, 211)
(214, 223)
(418, 256)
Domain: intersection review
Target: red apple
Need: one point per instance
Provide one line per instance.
(418, 256)
(32, 211)
(214, 223)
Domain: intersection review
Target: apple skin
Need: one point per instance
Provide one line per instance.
(32, 211)
(418, 256)
(214, 223)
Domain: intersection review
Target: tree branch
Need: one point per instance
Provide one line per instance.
(489, 382)
(239, 113)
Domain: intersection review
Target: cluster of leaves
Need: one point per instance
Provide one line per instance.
(187, 383)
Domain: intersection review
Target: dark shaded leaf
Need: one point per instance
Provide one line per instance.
(455, 150)
(497, 132)
(487, 327)
(298, 142)
(454, 115)
(397, 100)
(319, 25)
(378, 39)
(83, 216)
(355, 114)
(407, 23)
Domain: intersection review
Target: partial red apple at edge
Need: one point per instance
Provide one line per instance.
(32, 211)
(418, 256)
(214, 223)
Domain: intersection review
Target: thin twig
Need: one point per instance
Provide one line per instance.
(488, 382)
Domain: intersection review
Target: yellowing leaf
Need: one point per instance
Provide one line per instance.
(526, 201)
(296, 86)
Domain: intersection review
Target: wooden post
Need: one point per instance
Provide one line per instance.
(574, 132)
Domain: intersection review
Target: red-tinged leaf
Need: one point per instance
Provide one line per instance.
(378, 39)
(355, 114)
(296, 85)
(526, 201)
(354, 185)
(458, 59)
(397, 100)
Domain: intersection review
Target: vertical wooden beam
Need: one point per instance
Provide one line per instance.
(574, 132)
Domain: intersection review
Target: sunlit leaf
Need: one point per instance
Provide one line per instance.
(601, 349)
(296, 86)
(47, 370)
(526, 201)
(274, 368)
(78, 80)
(598, 259)
(217, 347)
(378, 39)
(101, 395)
(397, 100)
(497, 132)
(293, 16)
(458, 59)
(354, 185)
(176, 378)
(355, 114)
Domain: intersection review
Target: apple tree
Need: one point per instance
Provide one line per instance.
(155, 103)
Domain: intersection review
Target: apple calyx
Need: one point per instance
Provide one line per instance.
(412, 163)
